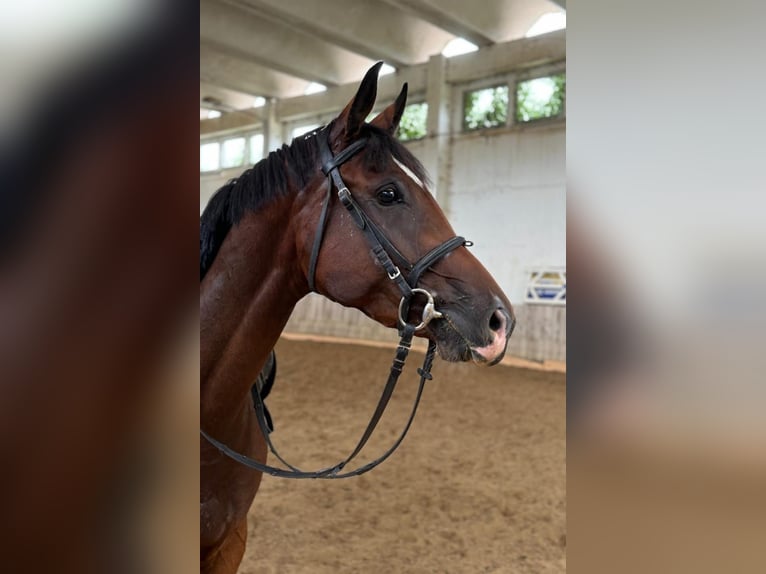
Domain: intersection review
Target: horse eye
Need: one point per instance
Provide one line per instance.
(388, 195)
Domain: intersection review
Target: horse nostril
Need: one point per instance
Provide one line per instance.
(497, 321)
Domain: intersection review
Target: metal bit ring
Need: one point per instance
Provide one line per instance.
(429, 311)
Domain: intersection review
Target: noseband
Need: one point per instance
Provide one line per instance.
(385, 253)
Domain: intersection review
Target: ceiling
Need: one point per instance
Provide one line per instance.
(277, 48)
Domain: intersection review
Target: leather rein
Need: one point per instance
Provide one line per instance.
(383, 250)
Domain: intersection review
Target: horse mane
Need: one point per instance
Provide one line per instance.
(266, 181)
(270, 179)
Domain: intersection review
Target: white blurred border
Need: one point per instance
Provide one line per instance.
(666, 149)
(39, 38)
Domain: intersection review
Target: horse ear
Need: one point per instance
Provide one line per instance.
(351, 119)
(389, 118)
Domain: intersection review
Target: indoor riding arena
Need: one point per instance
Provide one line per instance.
(478, 484)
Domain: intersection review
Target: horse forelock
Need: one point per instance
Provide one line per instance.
(383, 151)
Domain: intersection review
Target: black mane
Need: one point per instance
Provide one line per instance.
(269, 179)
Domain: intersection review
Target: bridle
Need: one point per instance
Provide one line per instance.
(385, 252)
(382, 248)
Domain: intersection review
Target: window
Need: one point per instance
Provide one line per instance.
(486, 108)
(412, 126)
(209, 156)
(256, 148)
(386, 69)
(540, 98)
(457, 47)
(314, 88)
(548, 23)
(233, 152)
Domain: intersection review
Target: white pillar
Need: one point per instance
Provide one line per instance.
(272, 127)
(437, 150)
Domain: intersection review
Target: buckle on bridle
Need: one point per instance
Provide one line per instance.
(344, 194)
(429, 311)
(395, 275)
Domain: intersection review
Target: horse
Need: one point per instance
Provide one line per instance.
(340, 212)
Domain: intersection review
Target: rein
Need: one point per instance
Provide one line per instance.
(383, 250)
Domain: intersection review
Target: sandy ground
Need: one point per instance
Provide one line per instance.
(477, 486)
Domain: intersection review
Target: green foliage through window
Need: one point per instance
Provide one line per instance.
(413, 123)
(487, 108)
(540, 98)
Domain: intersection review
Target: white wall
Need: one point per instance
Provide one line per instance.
(508, 195)
(209, 183)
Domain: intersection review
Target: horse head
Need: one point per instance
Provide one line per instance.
(473, 318)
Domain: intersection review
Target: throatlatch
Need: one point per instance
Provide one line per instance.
(385, 252)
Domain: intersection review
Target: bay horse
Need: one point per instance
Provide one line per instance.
(280, 231)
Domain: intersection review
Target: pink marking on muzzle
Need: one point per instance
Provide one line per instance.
(496, 348)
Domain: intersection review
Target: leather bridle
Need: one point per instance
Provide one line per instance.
(384, 252)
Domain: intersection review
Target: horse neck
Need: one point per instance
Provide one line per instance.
(246, 299)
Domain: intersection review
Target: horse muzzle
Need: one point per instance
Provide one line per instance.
(500, 325)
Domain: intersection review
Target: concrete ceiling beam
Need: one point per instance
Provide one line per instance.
(335, 99)
(493, 21)
(367, 27)
(445, 21)
(226, 99)
(509, 56)
(233, 26)
(225, 69)
(233, 122)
